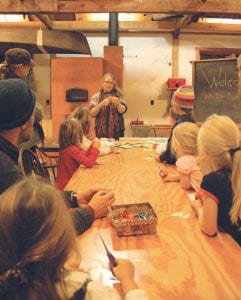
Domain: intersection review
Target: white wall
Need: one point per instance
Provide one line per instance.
(147, 68)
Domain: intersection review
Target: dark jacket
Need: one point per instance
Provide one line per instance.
(38, 133)
(10, 174)
(167, 155)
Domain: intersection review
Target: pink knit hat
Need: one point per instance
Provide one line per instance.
(183, 97)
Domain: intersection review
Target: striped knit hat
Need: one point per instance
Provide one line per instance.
(183, 97)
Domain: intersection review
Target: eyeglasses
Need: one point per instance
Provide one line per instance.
(110, 82)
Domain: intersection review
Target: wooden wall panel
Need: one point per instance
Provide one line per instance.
(113, 62)
(69, 72)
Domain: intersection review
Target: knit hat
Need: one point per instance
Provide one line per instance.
(17, 56)
(17, 103)
(183, 97)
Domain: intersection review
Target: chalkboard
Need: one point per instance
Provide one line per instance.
(216, 89)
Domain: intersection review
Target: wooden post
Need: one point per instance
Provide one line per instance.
(175, 59)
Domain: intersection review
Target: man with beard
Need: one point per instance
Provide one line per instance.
(17, 104)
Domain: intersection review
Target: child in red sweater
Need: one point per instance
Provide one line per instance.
(70, 154)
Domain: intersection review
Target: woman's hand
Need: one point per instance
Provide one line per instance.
(114, 100)
(105, 102)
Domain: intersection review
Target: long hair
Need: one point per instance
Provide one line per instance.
(184, 139)
(219, 147)
(83, 115)
(70, 133)
(36, 238)
(116, 91)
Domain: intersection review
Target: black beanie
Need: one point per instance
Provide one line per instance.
(17, 103)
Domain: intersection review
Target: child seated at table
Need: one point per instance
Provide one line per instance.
(220, 160)
(184, 146)
(83, 115)
(161, 147)
(182, 104)
(70, 154)
(37, 240)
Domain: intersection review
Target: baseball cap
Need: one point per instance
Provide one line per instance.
(16, 56)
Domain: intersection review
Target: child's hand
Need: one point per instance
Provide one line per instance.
(171, 178)
(163, 172)
(96, 143)
(114, 150)
(124, 268)
(157, 159)
(196, 204)
(166, 178)
(125, 272)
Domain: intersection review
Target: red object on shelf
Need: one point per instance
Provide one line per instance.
(137, 123)
(173, 82)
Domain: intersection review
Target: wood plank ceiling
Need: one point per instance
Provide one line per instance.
(68, 18)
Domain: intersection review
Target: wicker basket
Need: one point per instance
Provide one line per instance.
(139, 218)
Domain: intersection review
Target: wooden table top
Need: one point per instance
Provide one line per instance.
(178, 262)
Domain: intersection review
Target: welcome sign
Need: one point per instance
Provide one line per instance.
(216, 88)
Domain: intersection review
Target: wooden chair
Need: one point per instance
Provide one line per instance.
(30, 164)
(49, 161)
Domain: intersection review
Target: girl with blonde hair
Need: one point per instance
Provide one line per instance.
(184, 147)
(38, 244)
(70, 155)
(220, 161)
(182, 110)
(83, 115)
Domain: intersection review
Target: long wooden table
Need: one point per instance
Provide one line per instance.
(179, 262)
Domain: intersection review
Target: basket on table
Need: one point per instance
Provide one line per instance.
(133, 219)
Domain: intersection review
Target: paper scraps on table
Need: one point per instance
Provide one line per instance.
(180, 214)
(191, 197)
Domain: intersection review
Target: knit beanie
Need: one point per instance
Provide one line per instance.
(183, 97)
(17, 103)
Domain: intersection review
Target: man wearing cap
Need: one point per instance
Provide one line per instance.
(182, 105)
(17, 64)
(17, 104)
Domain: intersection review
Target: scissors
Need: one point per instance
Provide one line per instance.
(112, 259)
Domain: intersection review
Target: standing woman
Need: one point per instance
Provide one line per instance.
(108, 107)
(18, 64)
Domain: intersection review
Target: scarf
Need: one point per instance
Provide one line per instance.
(107, 121)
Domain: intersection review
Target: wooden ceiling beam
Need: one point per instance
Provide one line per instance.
(147, 26)
(28, 6)
(22, 25)
(127, 26)
(223, 7)
(151, 6)
(45, 20)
